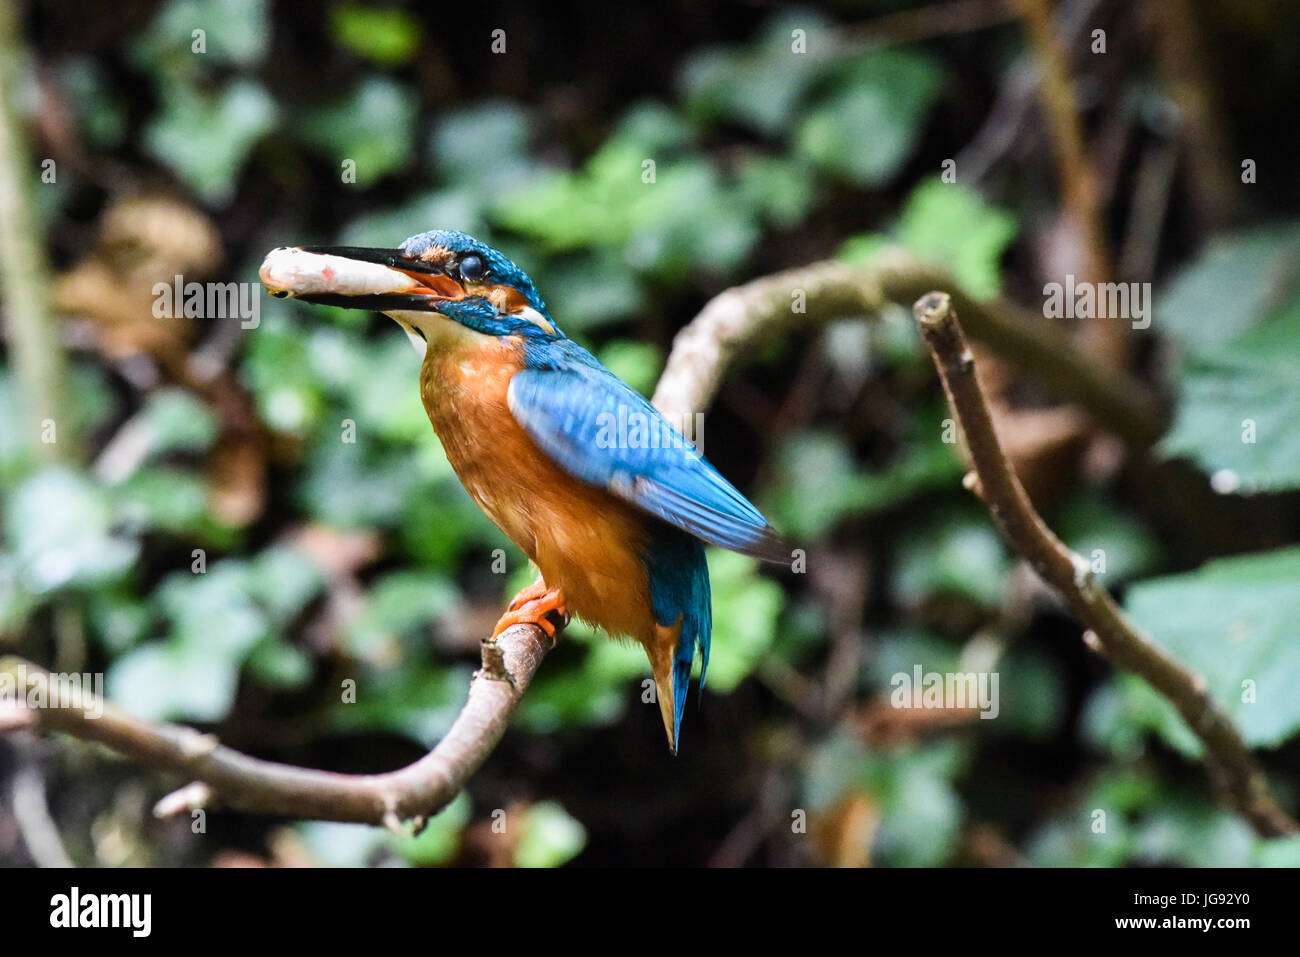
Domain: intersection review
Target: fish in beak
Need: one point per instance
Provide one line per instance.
(355, 277)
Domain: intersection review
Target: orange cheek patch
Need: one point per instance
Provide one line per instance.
(505, 298)
(510, 301)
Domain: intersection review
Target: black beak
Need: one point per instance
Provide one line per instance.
(330, 281)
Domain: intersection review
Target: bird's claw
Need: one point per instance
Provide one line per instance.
(545, 609)
(534, 591)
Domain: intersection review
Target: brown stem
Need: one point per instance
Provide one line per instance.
(746, 315)
(1231, 764)
(227, 777)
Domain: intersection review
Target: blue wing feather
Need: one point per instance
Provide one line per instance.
(598, 429)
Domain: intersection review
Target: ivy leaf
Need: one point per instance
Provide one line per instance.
(1237, 409)
(373, 126)
(952, 224)
(1233, 623)
(870, 125)
(760, 86)
(206, 139)
(745, 612)
(1231, 286)
(59, 529)
(383, 35)
(551, 836)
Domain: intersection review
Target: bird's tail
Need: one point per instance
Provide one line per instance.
(686, 603)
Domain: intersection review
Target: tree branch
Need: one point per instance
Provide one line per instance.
(705, 349)
(702, 355)
(1231, 764)
(227, 777)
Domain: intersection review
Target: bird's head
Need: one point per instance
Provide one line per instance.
(437, 285)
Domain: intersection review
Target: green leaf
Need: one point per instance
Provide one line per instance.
(207, 138)
(98, 107)
(276, 367)
(333, 844)
(383, 35)
(920, 809)
(459, 206)
(164, 498)
(1237, 408)
(414, 700)
(1090, 525)
(589, 288)
(235, 32)
(760, 86)
(58, 527)
(374, 126)
(486, 148)
(746, 608)
(178, 421)
(956, 552)
(398, 605)
(636, 363)
(817, 482)
(594, 692)
(550, 838)
(1279, 852)
(868, 127)
(284, 579)
(280, 664)
(1237, 281)
(1233, 623)
(168, 681)
(438, 843)
(952, 225)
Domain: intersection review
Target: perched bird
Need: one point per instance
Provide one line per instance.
(608, 500)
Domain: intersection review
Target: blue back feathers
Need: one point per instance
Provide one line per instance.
(596, 428)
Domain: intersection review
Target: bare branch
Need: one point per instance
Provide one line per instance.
(744, 316)
(229, 778)
(1231, 764)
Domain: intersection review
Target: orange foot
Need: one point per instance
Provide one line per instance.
(533, 606)
(536, 590)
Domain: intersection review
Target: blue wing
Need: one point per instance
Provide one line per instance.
(602, 432)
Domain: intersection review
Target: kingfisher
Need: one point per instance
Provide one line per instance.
(610, 502)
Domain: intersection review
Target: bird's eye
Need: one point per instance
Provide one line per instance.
(472, 267)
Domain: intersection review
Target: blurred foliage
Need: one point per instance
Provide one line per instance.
(367, 562)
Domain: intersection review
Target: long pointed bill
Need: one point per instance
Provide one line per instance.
(356, 278)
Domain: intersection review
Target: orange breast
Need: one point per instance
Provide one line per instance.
(582, 539)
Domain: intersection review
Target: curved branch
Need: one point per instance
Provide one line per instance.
(701, 357)
(225, 776)
(706, 348)
(1110, 631)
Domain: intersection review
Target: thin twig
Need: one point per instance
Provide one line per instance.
(1231, 764)
(234, 780)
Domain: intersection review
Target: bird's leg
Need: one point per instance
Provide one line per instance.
(534, 610)
(534, 591)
